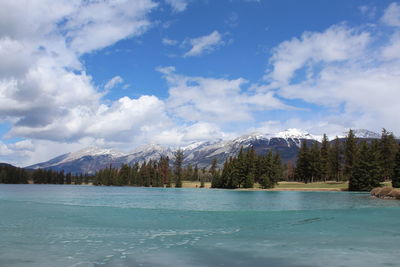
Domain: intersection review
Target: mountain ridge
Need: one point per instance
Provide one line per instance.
(201, 153)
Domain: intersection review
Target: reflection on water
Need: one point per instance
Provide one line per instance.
(43, 225)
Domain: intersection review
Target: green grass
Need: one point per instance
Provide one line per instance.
(322, 185)
(194, 184)
(290, 185)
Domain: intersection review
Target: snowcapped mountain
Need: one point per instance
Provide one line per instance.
(93, 152)
(87, 160)
(146, 153)
(92, 159)
(293, 133)
(363, 133)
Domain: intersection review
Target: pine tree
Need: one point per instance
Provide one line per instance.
(303, 167)
(123, 175)
(396, 171)
(68, 178)
(315, 162)
(325, 152)
(350, 154)
(388, 150)
(249, 181)
(178, 167)
(218, 181)
(366, 170)
(266, 182)
(213, 167)
(277, 168)
(335, 160)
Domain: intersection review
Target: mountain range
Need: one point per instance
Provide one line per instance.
(92, 159)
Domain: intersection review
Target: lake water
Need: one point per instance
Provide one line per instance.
(66, 225)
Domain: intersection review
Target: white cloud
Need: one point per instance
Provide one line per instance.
(337, 44)
(45, 93)
(113, 82)
(204, 44)
(186, 134)
(177, 5)
(96, 25)
(392, 50)
(368, 11)
(391, 15)
(353, 74)
(169, 42)
(215, 100)
(47, 97)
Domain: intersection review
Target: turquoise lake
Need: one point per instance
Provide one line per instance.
(66, 225)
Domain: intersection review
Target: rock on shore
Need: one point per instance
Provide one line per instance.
(386, 192)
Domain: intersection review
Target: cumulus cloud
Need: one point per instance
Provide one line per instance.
(45, 93)
(351, 72)
(217, 100)
(53, 104)
(337, 44)
(204, 44)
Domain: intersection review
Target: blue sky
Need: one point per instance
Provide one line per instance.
(124, 73)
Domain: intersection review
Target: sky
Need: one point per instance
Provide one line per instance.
(124, 73)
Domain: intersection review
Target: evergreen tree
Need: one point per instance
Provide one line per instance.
(241, 169)
(217, 180)
(388, 150)
(178, 167)
(350, 154)
(325, 153)
(123, 175)
(265, 181)
(249, 181)
(277, 168)
(315, 162)
(68, 178)
(366, 170)
(213, 167)
(303, 166)
(335, 160)
(396, 171)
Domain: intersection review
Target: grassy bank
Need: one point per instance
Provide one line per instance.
(291, 186)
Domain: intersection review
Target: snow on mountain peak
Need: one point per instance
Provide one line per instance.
(247, 137)
(295, 133)
(92, 151)
(150, 148)
(194, 145)
(364, 133)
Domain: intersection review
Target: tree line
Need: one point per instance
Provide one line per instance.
(154, 173)
(365, 164)
(13, 175)
(248, 168)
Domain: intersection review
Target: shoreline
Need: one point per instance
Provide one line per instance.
(292, 189)
(299, 189)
